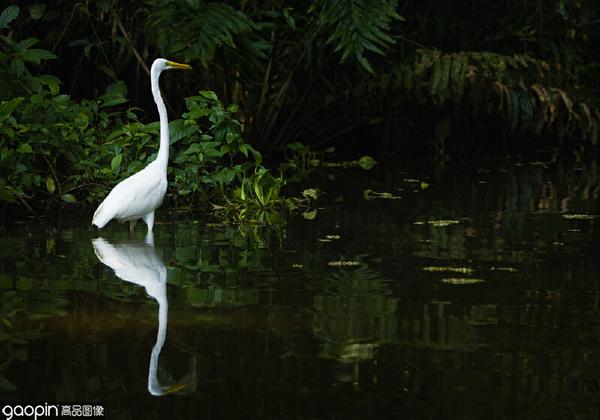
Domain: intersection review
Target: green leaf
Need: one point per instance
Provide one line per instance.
(310, 214)
(114, 134)
(5, 153)
(50, 186)
(209, 95)
(7, 107)
(289, 18)
(8, 15)
(68, 198)
(366, 162)
(255, 153)
(36, 55)
(113, 102)
(6, 194)
(364, 62)
(25, 148)
(193, 148)
(115, 163)
(26, 44)
(244, 149)
(178, 129)
(52, 82)
(115, 94)
(310, 193)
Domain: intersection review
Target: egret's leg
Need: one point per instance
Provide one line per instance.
(149, 239)
(149, 219)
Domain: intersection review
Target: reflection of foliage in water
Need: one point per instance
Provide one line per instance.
(213, 268)
(353, 313)
(20, 316)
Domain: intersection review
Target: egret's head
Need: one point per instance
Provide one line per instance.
(161, 64)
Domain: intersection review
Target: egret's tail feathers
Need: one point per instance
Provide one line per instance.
(101, 216)
(102, 248)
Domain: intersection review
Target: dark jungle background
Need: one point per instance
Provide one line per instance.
(280, 80)
(403, 202)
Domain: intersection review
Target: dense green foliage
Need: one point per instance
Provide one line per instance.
(416, 73)
(57, 148)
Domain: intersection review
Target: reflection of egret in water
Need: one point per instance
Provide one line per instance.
(139, 263)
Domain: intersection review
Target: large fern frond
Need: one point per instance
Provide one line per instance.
(356, 26)
(195, 29)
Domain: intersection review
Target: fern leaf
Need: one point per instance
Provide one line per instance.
(567, 102)
(356, 26)
(541, 93)
(363, 61)
(208, 26)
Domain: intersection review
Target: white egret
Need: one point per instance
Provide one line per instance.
(139, 195)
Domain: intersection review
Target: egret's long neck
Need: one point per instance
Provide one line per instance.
(154, 386)
(163, 152)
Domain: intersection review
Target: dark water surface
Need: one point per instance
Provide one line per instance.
(476, 294)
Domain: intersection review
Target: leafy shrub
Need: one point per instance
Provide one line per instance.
(52, 146)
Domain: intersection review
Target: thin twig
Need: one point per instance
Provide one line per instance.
(134, 50)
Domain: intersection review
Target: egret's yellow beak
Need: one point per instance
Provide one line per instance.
(178, 66)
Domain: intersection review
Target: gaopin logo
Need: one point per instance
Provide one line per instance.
(30, 411)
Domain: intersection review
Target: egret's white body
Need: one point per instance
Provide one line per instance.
(139, 195)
